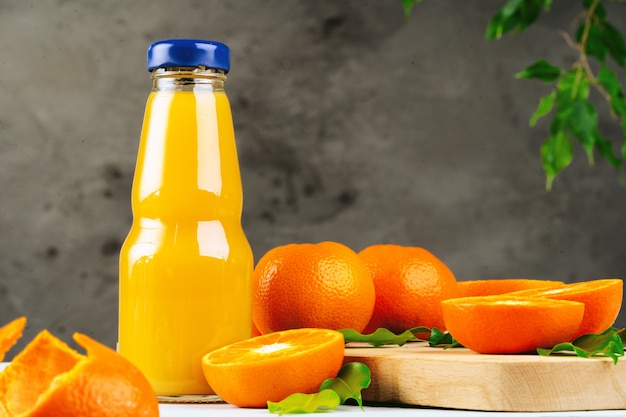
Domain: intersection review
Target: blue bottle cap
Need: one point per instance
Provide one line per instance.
(170, 53)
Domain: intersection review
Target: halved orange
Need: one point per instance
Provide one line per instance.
(48, 378)
(10, 334)
(508, 324)
(271, 367)
(602, 299)
(481, 287)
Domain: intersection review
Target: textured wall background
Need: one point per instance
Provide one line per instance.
(353, 124)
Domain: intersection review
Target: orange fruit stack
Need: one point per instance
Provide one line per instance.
(271, 367)
(323, 285)
(508, 324)
(410, 284)
(48, 378)
(602, 299)
(480, 287)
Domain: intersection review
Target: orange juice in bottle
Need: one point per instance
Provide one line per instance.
(186, 265)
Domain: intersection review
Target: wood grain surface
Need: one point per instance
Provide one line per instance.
(416, 374)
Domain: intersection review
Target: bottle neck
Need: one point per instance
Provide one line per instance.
(187, 79)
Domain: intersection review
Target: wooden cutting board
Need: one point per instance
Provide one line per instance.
(416, 374)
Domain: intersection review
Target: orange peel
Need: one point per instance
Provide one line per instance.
(48, 378)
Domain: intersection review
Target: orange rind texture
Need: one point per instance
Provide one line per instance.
(315, 285)
(410, 283)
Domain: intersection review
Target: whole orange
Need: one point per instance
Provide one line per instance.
(317, 285)
(410, 284)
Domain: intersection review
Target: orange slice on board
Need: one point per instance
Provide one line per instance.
(482, 287)
(602, 299)
(508, 324)
(271, 367)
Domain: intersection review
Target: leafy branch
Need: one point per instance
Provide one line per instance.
(574, 116)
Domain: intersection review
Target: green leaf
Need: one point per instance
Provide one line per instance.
(305, 403)
(541, 70)
(378, 338)
(504, 20)
(599, 11)
(614, 40)
(408, 6)
(603, 38)
(515, 15)
(607, 344)
(546, 103)
(351, 379)
(583, 124)
(442, 339)
(556, 154)
(381, 337)
(595, 44)
(608, 80)
(624, 138)
(436, 338)
(528, 15)
(573, 85)
(605, 149)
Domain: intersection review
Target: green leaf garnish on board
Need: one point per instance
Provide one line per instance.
(351, 379)
(609, 344)
(441, 339)
(380, 337)
(305, 403)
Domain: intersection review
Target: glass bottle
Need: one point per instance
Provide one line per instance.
(186, 265)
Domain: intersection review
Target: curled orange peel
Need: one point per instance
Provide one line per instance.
(9, 335)
(48, 378)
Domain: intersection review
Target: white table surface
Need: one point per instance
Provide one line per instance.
(226, 410)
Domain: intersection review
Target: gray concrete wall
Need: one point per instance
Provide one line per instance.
(353, 124)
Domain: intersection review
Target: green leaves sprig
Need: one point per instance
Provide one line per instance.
(608, 344)
(305, 403)
(575, 116)
(382, 337)
(600, 47)
(351, 379)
